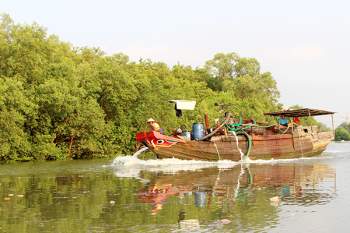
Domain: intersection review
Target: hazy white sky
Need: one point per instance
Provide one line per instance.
(305, 44)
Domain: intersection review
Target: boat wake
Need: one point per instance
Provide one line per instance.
(131, 166)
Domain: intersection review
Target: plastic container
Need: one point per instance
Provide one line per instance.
(197, 131)
(186, 135)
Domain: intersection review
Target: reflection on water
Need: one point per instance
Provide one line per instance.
(245, 197)
(84, 196)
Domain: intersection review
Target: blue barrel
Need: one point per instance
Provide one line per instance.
(197, 131)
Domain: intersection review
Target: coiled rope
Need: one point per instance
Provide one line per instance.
(238, 130)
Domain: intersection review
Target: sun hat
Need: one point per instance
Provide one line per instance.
(150, 120)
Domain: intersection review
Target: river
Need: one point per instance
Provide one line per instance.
(131, 195)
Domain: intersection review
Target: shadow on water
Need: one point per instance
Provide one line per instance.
(88, 197)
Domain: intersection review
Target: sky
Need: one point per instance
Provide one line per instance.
(304, 44)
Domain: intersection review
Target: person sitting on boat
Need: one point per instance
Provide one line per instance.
(154, 126)
(283, 121)
(177, 132)
(296, 120)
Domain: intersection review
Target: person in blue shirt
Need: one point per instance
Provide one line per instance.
(283, 121)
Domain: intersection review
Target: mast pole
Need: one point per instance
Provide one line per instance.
(333, 126)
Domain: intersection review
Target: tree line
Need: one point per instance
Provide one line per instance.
(58, 101)
(342, 132)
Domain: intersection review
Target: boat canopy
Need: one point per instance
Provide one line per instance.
(184, 104)
(303, 112)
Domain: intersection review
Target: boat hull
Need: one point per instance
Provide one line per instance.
(275, 146)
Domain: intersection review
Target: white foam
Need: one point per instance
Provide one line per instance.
(140, 151)
(131, 166)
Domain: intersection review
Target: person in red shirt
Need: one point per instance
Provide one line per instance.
(296, 120)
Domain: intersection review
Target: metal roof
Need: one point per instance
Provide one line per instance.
(303, 112)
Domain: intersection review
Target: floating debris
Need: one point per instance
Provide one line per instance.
(189, 225)
(275, 201)
(225, 221)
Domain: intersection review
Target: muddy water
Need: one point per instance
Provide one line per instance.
(130, 195)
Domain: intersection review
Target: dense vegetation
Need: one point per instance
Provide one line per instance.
(342, 132)
(58, 101)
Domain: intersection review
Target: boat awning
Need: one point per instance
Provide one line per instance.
(303, 112)
(184, 104)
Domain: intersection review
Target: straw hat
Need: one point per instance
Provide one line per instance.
(150, 120)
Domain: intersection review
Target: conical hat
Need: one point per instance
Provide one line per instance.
(150, 120)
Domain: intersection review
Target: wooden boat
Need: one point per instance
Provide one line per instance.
(253, 140)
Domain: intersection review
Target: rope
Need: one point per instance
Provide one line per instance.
(249, 141)
(238, 148)
(283, 132)
(216, 130)
(240, 131)
(262, 126)
(217, 151)
(300, 145)
(235, 127)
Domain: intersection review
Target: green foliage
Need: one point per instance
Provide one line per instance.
(14, 107)
(222, 65)
(342, 132)
(250, 92)
(59, 102)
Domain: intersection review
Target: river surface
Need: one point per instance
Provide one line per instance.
(132, 195)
